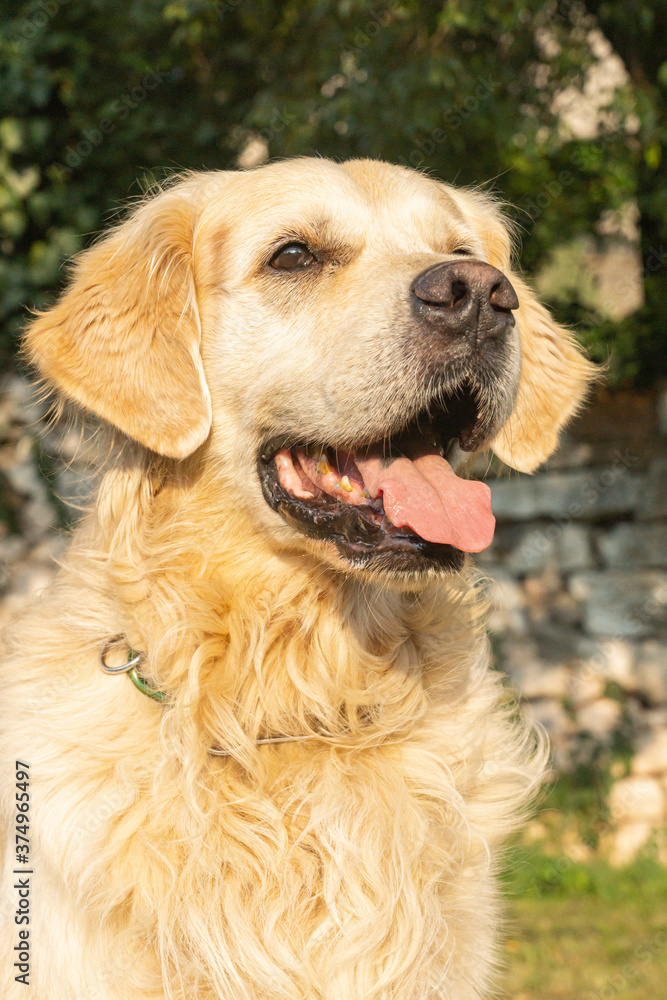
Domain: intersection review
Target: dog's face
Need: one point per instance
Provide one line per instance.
(338, 335)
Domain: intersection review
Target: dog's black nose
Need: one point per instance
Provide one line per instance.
(466, 297)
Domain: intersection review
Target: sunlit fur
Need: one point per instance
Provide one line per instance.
(356, 865)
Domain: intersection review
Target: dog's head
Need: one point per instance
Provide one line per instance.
(338, 335)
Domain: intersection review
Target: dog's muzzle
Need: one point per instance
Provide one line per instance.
(465, 299)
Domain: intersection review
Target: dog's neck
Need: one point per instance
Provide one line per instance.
(258, 645)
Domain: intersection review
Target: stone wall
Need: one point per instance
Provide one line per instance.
(577, 578)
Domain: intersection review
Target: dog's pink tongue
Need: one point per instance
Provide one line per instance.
(426, 495)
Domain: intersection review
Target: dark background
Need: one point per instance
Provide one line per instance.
(98, 98)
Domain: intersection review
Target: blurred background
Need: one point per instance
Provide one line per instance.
(560, 109)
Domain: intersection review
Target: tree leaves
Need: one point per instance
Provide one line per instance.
(94, 94)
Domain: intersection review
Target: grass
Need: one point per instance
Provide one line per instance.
(585, 931)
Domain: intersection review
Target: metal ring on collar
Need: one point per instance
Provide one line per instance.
(134, 658)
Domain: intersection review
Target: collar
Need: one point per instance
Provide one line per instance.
(130, 667)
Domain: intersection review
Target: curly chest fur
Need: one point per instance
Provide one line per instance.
(355, 865)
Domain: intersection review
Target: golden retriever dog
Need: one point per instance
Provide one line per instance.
(253, 745)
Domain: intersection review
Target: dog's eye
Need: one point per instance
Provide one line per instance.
(293, 257)
(462, 251)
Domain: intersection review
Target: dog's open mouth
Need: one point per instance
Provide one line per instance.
(398, 496)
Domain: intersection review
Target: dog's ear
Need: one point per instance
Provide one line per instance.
(555, 376)
(123, 340)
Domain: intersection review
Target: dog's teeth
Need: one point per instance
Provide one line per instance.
(365, 493)
(346, 485)
(323, 466)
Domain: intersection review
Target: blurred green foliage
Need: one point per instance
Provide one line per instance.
(530, 872)
(99, 97)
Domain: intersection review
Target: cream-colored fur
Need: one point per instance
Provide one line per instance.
(355, 866)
